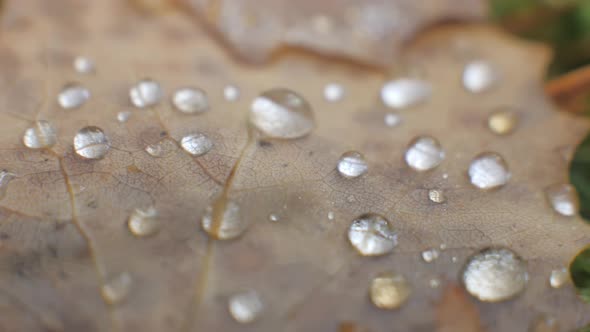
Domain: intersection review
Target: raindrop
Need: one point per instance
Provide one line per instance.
(424, 153)
(563, 198)
(196, 144)
(144, 222)
(41, 135)
(389, 291)
(231, 93)
(333, 92)
(488, 170)
(282, 113)
(479, 76)
(372, 235)
(190, 100)
(502, 122)
(352, 164)
(145, 93)
(245, 307)
(436, 196)
(430, 255)
(495, 274)
(5, 178)
(91, 143)
(117, 288)
(72, 96)
(559, 277)
(392, 119)
(230, 225)
(84, 65)
(273, 217)
(331, 215)
(405, 92)
(123, 116)
(434, 283)
(162, 148)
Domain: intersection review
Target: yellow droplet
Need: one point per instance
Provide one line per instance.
(389, 291)
(502, 122)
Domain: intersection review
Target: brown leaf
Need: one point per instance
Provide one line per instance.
(456, 312)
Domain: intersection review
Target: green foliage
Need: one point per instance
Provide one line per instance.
(580, 272)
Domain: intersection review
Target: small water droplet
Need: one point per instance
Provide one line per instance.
(230, 226)
(479, 76)
(502, 122)
(495, 274)
(231, 93)
(445, 176)
(117, 288)
(84, 65)
(488, 170)
(434, 283)
(454, 259)
(333, 92)
(282, 113)
(41, 135)
(273, 217)
(372, 235)
(73, 96)
(5, 178)
(389, 291)
(196, 144)
(145, 93)
(405, 92)
(559, 277)
(331, 215)
(245, 307)
(563, 198)
(162, 148)
(122, 117)
(352, 164)
(144, 222)
(190, 100)
(443, 246)
(430, 255)
(91, 143)
(424, 153)
(392, 119)
(436, 196)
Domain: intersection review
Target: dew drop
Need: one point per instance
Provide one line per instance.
(117, 288)
(41, 135)
(5, 178)
(559, 277)
(488, 170)
(430, 255)
(273, 217)
(282, 113)
(230, 226)
(389, 291)
(479, 76)
(91, 143)
(333, 92)
(144, 222)
(372, 235)
(434, 283)
(190, 100)
(73, 96)
(502, 122)
(145, 93)
(424, 153)
(563, 199)
(392, 119)
(405, 92)
(84, 65)
(495, 274)
(162, 148)
(196, 144)
(437, 196)
(245, 307)
(331, 215)
(231, 93)
(122, 117)
(352, 164)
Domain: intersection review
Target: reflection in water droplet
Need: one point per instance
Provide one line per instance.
(372, 235)
(273, 217)
(392, 119)
(405, 92)
(144, 222)
(117, 288)
(41, 135)
(5, 178)
(436, 196)
(84, 65)
(245, 307)
(488, 170)
(352, 164)
(145, 93)
(190, 100)
(502, 122)
(91, 143)
(424, 153)
(123, 116)
(563, 198)
(282, 113)
(162, 148)
(430, 255)
(72, 96)
(389, 291)
(495, 274)
(333, 92)
(231, 224)
(231, 93)
(559, 277)
(196, 144)
(479, 76)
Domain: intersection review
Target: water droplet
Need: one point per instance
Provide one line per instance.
(196, 144)
(424, 153)
(145, 93)
(392, 119)
(231, 93)
(488, 170)
(352, 164)
(91, 143)
(117, 288)
(282, 113)
(372, 235)
(443, 246)
(72, 96)
(230, 226)
(333, 92)
(405, 92)
(430, 255)
(502, 122)
(479, 76)
(434, 283)
(436, 196)
(495, 274)
(41, 135)
(454, 259)
(84, 65)
(5, 178)
(389, 291)
(273, 217)
(123, 116)
(559, 277)
(144, 222)
(162, 148)
(331, 215)
(190, 100)
(245, 307)
(563, 198)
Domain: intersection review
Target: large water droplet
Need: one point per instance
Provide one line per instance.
(190, 100)
(372, 235)
(91, 143)
(245, 307)
(405, 92)
(352, 164)
(282, 113)
(72, 96)
(162, 148)
(559, 277)
(488, 170)
(230, 225)
(389, 291)
(495, 274)
(144, 222)
(563, 198)
(231, 93)
(479, 76)
(333, 92)
(436, 196)
(41, 135)
(145, 93)
(430, 255)
(117, 288)
(84, 65)
(424, 153)
(502, 122)
(5, 178)
(196, 144)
